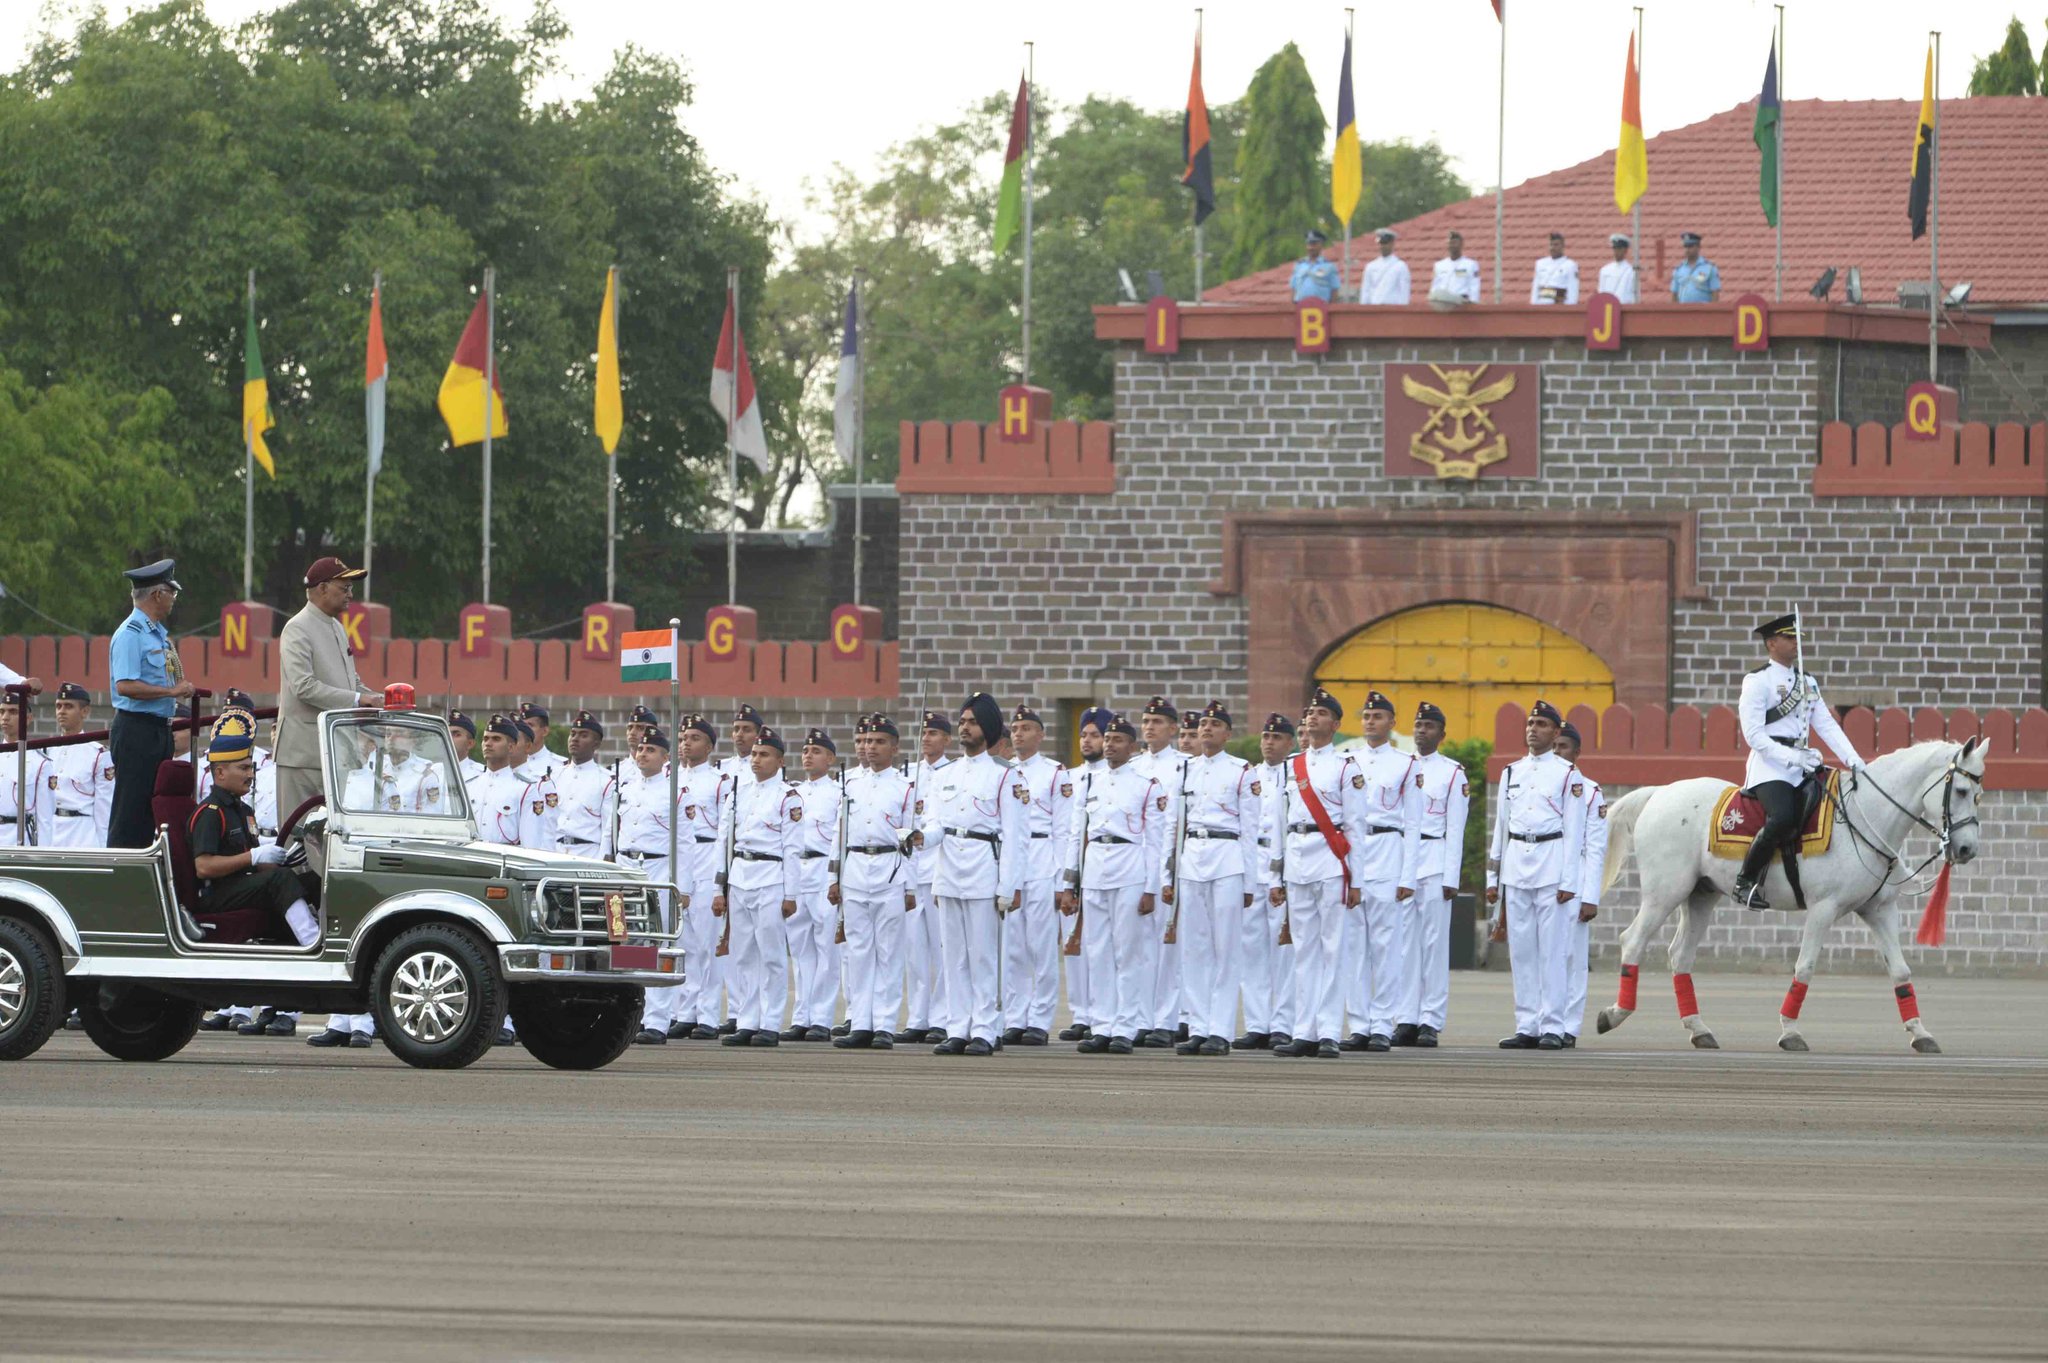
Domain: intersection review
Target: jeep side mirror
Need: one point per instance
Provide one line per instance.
(313, 825)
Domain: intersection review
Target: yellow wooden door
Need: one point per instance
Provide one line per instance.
(1470, 660)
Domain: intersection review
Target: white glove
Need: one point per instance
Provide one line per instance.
(269, 854)
(1857, 764)
(1809, 758)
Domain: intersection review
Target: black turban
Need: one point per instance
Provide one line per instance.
(987, 714)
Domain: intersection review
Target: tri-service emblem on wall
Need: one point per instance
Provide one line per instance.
(1463, 420)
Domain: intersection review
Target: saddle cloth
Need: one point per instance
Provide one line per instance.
(1738, 818)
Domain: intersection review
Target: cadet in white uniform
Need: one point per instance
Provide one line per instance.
(1385, 280)
(532, 763)
(760, 839)
(539, 759)
(1162, 761)
(1116, 855)
(645, 819)
(977, 824)
(462, 733)
(1377, 937)
(872, 889)
(1585, 908)
(1214, 820)
(1446, 801)
(813, 955)
(1081, 994)
(25, 820)
(589, 796)
(702, 788)
(1456, 276)
(1318, 824)
(1780, 711)
(738, 769)
(1533, 872)
(509, 809)
(923, 956)
(1556, 277)
(85, 776)
(1031, 938)
(1618, 276)
(1265, 966)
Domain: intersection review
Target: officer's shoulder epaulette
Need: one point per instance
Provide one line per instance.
(1758, 668)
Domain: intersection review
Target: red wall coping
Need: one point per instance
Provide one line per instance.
(1967, 459)
(768, 670)
(1649, 745)
(967, 457)
(1803, 320)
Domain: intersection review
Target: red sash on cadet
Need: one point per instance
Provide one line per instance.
(1340, 846)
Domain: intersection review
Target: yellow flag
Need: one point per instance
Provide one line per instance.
(256, 417)
(611, 413)
(1631, 155)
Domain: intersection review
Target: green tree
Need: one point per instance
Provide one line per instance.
(2011, 70)
(1404, 180)
(1283, 170)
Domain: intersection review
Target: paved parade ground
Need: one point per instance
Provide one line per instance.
(256, 1199)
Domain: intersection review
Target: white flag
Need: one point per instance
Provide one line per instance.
(748, 441)
(846, 401)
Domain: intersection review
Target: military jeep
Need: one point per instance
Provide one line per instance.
(437, 934)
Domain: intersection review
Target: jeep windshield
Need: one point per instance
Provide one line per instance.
(394, 766)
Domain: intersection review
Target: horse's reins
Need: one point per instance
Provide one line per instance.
(1944, 835)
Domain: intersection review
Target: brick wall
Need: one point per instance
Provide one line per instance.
(2009, 382)
(1871, 384)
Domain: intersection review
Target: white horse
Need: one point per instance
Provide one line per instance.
(1929, 787)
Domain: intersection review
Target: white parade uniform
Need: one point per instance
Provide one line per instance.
(813, 955)
(1446, 802)
(1377, 938)
(1593, 859)
(1456, 278)
(85, 794)
(468, 769)
(1217, 826)
(762, 824)
(874, 880)
(1162, 1004)
(1385, 282)
(923, 956)
(1315, 879)
(1116, 853)
(1265, 967)
(1770, 760)
(979, 832)
(535, 771)
(643, 842)
(1031, 938)
(1537, 856)
(1618, 277)
(34, 829)
(1080, 993)
(701, 793)
(1556, 280)
(509, 810)
(583, 818)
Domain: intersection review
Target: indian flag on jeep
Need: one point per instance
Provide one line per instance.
(647, 655)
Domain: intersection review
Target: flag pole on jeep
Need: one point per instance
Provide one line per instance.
(675, 754)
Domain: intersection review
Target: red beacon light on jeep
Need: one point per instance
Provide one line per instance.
(398, 696)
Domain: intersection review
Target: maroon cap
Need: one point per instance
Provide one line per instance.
(332, 570)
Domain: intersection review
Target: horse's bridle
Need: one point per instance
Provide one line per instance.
(1944, 835)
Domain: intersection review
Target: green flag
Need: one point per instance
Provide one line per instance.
(1766, 135)
(1010, 200)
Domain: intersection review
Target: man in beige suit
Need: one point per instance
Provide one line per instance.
(319, 674)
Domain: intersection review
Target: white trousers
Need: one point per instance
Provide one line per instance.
(813, 955)
(1358, 958)
(663, 1004)
(1426, 996)
(968, 938)
(362, 1024)
(874, 933)
(1080, 997)
(1317, 912)
(1114, 936)
(1263, 967)
(1537, 951)
(1392, 928)
(704, 970)
(757, 969)
(68, 831)
(924, 958)
(889, 949)
(1031, 960)
(1578, 936)
(1166, 1010)
(1212, 915)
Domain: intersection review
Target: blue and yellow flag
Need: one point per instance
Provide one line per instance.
(1347, 172)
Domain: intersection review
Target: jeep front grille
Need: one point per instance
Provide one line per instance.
(578, 910)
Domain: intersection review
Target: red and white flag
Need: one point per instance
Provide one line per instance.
(743, 417)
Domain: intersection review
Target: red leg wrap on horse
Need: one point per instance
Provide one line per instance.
(1688, 1006)
(1794, 998)
(1909, 1004)
(1627, 997)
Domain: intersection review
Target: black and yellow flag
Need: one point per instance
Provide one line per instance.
(1923, 154)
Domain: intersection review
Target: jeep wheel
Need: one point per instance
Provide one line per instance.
(134, 1023)
(577, 1028)
(437, 996)
(31, 990)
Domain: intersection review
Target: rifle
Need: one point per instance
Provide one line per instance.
(1497, 929)
(837, 866)
(732, 839)
(1286, 937)
(1073, 946)
(1180, 845)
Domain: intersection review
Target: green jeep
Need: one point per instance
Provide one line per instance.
(437, 934)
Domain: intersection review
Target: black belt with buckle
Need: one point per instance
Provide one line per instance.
(578, 842)
(1536, 837)
(744, 855)
(74, 814)
(1374, 830)
(880, 849)
(810, 856)
(976, 834)
(1112, 838)
(1041, 835)
(1303, 828)
(1432, 837)
(1265, 842)
(704, 840)
(1210, 833)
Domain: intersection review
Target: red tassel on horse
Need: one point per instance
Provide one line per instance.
(1934, 918)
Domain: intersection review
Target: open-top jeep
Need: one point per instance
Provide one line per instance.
(436, 933)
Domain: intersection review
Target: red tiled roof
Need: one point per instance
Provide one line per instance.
(1847, 167)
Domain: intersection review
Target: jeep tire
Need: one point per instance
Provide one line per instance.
(577, 1027)
(133, 1022)
(31, 990)
(437, 996)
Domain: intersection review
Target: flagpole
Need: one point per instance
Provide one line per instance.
(490, 378)
(675, 761)
(1778, 171)
(1500, 154)
(860, 417)
(611, 473)
(1934, 227)
(1030, 107)
(732, 457)
(1345, 282)
(370, 471)
(1198, 206)
(248, 480)
(1636, 209)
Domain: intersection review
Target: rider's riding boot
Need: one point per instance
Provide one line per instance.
(1749, 894)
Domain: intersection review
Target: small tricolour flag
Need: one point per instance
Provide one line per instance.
(647, 655)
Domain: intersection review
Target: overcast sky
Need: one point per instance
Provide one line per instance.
(786, 90)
